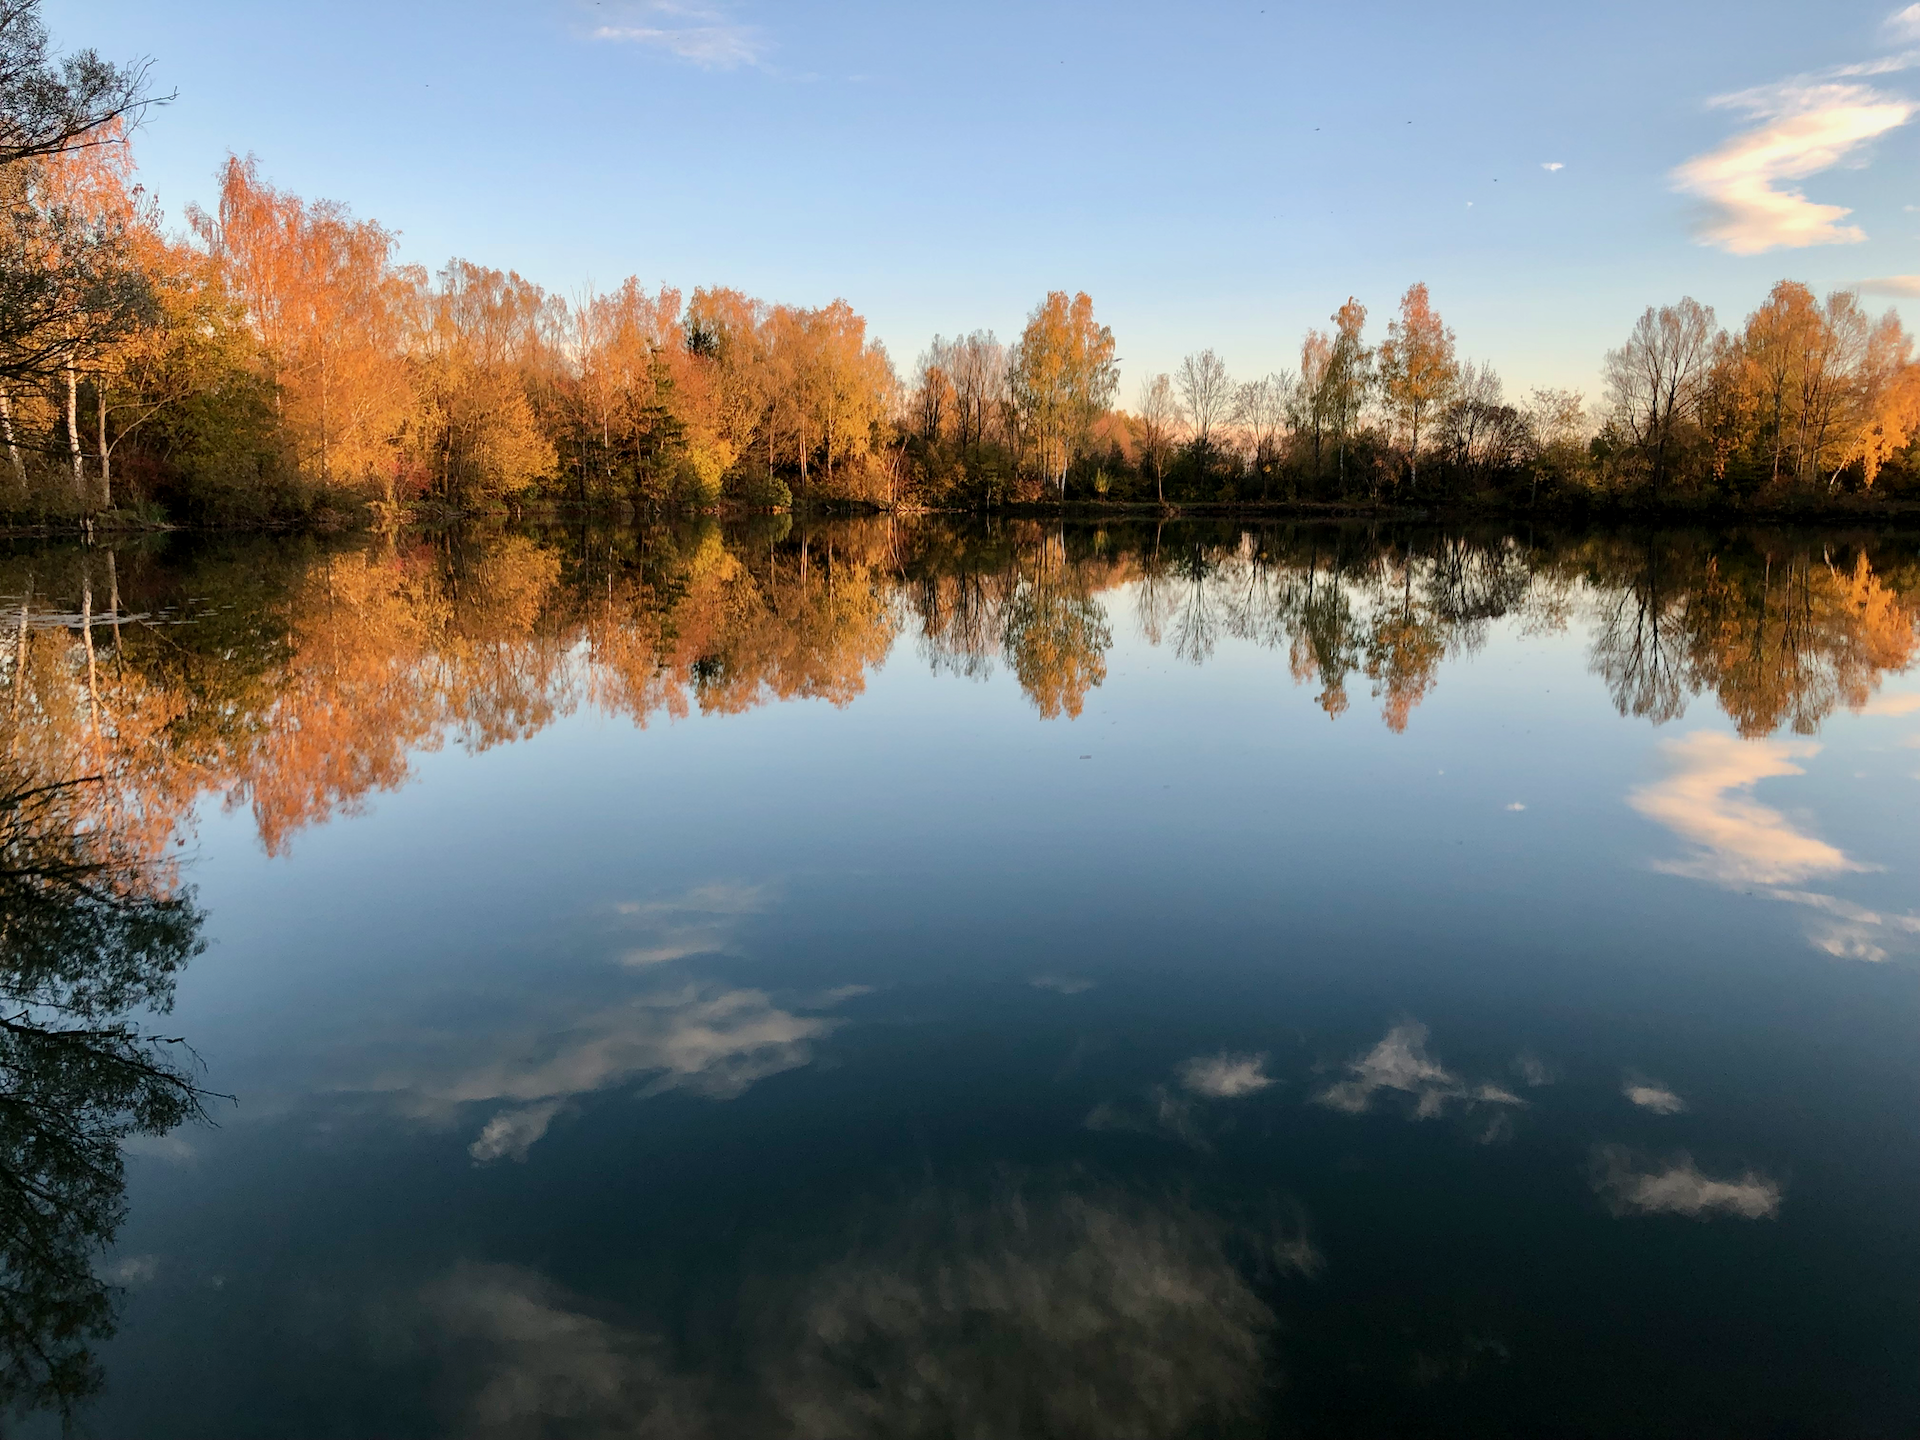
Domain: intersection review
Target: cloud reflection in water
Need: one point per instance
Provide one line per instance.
(1739, 842)
(1400, 1063)
(1679, 1187)
(1032, 1310)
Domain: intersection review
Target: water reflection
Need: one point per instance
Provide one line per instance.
(308, 686)
(294, 681)
(1739, 843)
(95, 928)
(1024, 1305)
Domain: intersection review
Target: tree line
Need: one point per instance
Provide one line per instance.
(276, 361)
(1809, 399)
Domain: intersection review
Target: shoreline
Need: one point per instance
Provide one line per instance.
(1843, 511)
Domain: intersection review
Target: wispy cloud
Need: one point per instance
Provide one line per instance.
(134, 1270)
(1552, 165)
(699, 922)
(1225, 1076)
(1152, 1311)
(1894, 704)
(710, 1041)
(1173, 1116)
(1741, 843)
(1803, 127)
(1652, 1095)
(700, 1039)
(1533, 1070)
(1903, 26)
(1854, 932)
(1679, 1187)
(699, 34)
(512, 1133)
(1165, 1114)
(1400, 1062)
(1738, 840)
(1061, 984)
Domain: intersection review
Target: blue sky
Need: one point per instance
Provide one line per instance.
(1213, 174)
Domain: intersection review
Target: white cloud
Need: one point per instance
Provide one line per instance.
(840, 993)
(174, 1149)
(1894, 704)
(1517, 806)
(512, 1133)
(1165, 1114)
(698, 922)
(698, 34)
(1899, 286)
(1855, 931)
(134, 1270)
(1224, 1076)
(706, 1040)
(1804, 128)
(1061, 984)
(1904, 25)
(1680, 1188)
(1552, 165)
(1742, 843)
(1652, 1095)
(1172, 1116)
(1532, 1069)
(1738, 840)
(1400, 1062)
(1849, 942)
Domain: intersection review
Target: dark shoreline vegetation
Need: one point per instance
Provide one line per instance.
(276, 366)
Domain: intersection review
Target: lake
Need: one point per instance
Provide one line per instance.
(892, 977)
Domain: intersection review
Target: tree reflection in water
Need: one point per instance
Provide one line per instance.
(92, 933)
(311, 673)
(297, 678)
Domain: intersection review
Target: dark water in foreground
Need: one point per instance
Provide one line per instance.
(917, 981)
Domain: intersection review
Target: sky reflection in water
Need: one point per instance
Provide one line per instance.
(930, 981)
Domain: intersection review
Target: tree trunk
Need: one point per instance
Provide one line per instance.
(20, 663)
(106, 479)
(113, 604)
(86, 631)
(13, 445)
(73, 434)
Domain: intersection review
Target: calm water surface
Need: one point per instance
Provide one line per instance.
(902, 979)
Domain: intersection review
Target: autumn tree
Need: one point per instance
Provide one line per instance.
(70, 286)
(63, 280)
(1417, 370)
(1348, 377)
(330, 309)
(1062, 374)
(1311, 397)
(471, 426)
(1816, 387)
